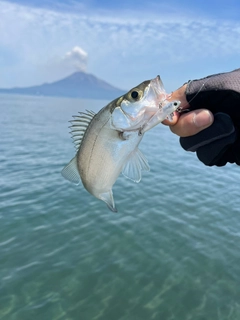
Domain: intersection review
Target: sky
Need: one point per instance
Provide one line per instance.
(122, 42)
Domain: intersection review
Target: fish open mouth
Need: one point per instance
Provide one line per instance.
(156, 85)
(156, 81)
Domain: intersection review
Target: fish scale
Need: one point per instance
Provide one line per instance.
(107, 142)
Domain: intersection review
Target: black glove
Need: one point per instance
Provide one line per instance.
(220, 143)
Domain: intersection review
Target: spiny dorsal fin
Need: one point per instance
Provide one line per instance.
(79, 126)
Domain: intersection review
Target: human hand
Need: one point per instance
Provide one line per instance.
(190, 123)
(211, 127)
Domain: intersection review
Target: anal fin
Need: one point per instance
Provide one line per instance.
(107, 197)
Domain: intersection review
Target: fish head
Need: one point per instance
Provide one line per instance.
(138, 105)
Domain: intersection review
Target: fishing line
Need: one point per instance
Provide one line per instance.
(181, 109)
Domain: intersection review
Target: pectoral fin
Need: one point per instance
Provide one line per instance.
(107, 197)
(134, 166)
(70, 171)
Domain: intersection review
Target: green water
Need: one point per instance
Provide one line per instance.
(172, 252)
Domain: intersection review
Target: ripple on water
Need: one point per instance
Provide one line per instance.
(171, 251)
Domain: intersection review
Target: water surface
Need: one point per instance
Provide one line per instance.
(171, 252)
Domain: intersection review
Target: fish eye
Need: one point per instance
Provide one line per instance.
(134, 94)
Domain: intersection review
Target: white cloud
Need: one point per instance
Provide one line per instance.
(76, 58)
(61, 65)
(121, 47)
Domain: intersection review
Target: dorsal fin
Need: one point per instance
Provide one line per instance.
(80, 125)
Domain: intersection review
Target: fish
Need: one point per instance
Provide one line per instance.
(107, 142)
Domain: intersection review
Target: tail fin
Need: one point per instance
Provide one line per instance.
(70, 171)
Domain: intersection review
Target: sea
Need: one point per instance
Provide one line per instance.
(171, 252)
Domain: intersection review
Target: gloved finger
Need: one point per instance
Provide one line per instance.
(231, 155)
(217, 93)
(212, 142)
(192, 123)
(217, 152)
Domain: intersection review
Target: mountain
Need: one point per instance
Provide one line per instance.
(77, 85)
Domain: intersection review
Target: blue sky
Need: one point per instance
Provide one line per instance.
(123, 42)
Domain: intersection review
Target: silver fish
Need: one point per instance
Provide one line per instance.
(107, 142)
